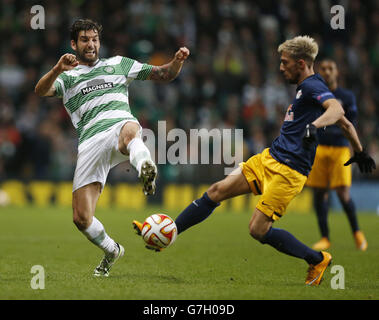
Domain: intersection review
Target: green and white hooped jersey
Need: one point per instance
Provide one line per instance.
(96, 98)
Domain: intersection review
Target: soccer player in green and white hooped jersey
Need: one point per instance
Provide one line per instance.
(95, 95)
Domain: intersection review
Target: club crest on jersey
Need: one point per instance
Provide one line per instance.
(289, 114)
(96, 84)
(109, 69)
(298, 95)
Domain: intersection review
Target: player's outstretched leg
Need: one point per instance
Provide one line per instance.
(196, 212)
(233, 185)
(84, 203)
(349, 208)
(261, 229)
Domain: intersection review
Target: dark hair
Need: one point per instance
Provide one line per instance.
(328, 59)
(84, 24)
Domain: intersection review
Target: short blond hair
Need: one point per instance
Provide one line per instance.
(300, 47)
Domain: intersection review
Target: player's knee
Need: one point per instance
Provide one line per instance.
(216, 192)
(81, 221)
(130, 132)
(321, 195)
(256, 232)
(343, 195)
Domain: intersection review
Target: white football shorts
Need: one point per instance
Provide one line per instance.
(99, 154)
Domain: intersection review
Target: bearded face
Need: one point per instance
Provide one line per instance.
(87, 46)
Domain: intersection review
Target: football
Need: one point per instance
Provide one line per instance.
(159, 231)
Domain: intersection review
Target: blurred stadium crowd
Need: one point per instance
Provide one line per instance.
(231, 80)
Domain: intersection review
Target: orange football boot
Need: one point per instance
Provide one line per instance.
(316, 272)
(138, 228)
(322, 244)
(360, 240)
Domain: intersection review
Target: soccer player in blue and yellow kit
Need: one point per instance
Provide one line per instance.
(279, 173)
(328, 171)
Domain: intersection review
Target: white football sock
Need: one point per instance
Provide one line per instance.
(138, 152)
(97, 235)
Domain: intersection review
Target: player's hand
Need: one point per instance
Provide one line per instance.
(310, 136)
(182, 54)
(67, 62)
(365, 163)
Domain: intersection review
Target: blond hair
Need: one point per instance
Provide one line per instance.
(300, 47)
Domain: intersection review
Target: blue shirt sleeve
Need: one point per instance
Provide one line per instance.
(318, 92)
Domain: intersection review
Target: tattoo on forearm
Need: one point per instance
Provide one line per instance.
(163, 73)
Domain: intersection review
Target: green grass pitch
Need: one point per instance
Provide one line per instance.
(214, 260)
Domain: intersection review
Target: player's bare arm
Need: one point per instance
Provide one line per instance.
(333, 113)
(170, 71)
(45, 86)
(365, 163)
(350, 133)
